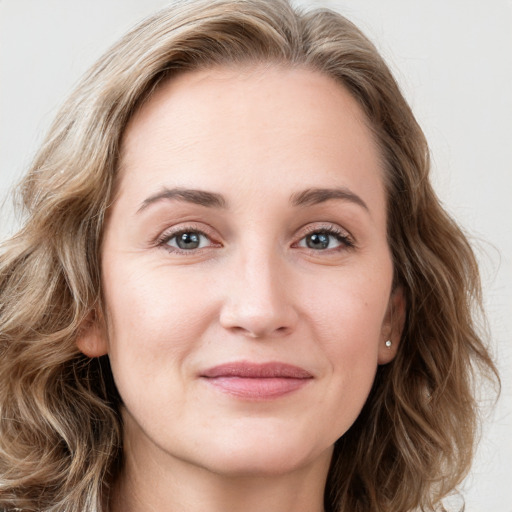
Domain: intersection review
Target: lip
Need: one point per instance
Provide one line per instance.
(256, 381)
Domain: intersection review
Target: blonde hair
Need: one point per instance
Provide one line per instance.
(60, 429)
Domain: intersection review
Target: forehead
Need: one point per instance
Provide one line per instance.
(252, 125)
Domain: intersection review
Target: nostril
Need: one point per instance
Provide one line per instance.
(260, 331)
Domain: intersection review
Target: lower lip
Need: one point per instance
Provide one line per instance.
(257, 388)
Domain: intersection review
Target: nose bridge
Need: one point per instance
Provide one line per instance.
(260, 273)
(257, 302)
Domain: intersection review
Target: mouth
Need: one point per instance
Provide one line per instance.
(252, 381)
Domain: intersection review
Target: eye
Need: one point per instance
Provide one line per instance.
(187, 240)
(324, 239)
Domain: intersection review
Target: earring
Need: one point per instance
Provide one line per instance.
(388, 344)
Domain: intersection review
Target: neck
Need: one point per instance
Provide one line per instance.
(151, 482)
(207, 494)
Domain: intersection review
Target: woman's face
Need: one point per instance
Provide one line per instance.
(246, 271)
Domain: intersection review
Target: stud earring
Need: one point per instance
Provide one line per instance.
(388, 344)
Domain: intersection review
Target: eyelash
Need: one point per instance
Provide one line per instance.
(346, 241)
(341, 236)
(164, 239)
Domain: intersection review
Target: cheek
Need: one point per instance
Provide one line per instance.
(351, 349)
(350, 340)
(154, 319)
(155, 324)
(348, 320)
(348, 310)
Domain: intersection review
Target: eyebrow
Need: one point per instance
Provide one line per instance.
(200, 197)
(312, 196)
(308, 197)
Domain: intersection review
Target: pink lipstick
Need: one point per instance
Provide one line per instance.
(254, 381)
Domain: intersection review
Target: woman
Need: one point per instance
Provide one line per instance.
(235, 288)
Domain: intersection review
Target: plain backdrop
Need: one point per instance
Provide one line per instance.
(453, 59)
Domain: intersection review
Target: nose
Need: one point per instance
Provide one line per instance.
(259, 299)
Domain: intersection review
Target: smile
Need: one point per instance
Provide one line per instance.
(253, 381)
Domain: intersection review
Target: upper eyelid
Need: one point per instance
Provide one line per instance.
(162, 241)
(324, 226)
(311, 228)
(210, 232)
(171, 231)
(334, 229)
(166, 242)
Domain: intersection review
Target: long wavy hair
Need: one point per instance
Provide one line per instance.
(60, 427)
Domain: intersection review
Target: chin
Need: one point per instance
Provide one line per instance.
(255, 465)
(262, 453)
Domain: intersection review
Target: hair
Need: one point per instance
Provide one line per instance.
(60, 426)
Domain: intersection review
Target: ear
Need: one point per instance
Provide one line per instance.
(393, 326)
(92, 340)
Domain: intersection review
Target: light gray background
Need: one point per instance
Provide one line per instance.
(453, 59)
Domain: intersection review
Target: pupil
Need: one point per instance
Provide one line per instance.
(188, 241)
(318, 241)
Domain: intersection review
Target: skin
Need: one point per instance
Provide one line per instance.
(254, 290)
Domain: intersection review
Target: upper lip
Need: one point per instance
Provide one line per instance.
(248, 370)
